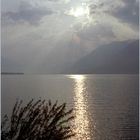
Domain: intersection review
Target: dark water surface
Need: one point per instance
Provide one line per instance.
(106, 106)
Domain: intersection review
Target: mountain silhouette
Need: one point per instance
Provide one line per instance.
(114, 58)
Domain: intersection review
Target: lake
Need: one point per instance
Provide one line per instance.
(106, 106)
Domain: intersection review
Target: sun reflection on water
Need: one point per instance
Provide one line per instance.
(81, 122)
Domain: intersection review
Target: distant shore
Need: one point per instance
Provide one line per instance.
(9, 73)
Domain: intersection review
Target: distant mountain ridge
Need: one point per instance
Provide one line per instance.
(114, 58)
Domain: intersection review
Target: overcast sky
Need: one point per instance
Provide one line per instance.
(34, 31)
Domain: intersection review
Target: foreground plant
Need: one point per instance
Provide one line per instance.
(38, 120)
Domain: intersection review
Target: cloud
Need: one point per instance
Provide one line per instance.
(120, 17)
(96, 9)
(26, 13)
(128, 13)
(60, 1)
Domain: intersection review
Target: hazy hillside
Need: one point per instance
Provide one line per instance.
(117, 57)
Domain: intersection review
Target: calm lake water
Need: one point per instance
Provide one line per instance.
(106, 106)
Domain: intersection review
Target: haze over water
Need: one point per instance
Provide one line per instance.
(105, 106)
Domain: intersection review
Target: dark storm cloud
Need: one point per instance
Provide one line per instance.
(129, 13)
(26, 13)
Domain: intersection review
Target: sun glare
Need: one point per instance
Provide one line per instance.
(81, 125)
(77, 77)
(79, 11)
